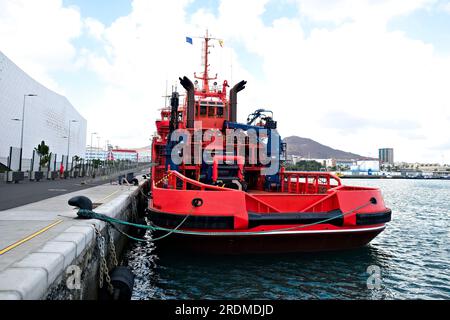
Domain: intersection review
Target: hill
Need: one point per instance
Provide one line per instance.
(308, 148)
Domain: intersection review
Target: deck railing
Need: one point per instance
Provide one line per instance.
(308, 182)
(291, 182)
(176, 181)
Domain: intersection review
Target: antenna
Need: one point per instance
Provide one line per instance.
(166, 97)
(205, 55)
(231, 66)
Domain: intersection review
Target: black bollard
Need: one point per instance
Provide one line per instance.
(81, 202)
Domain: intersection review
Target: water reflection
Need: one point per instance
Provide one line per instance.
(178, 275)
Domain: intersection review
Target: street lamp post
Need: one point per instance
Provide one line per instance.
(23, 123)
(68, 144)
(98, 143)
(98, 148)
(92, 147)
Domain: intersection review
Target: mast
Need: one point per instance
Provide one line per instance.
(205, 78)
(205, 73)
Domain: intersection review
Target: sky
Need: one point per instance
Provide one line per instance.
(356, 75)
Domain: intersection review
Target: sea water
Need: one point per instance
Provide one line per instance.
(409, 260)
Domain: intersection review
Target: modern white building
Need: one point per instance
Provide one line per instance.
(114, 154)
(48, 116)
(145, 154)
(96, 154)
(325, 162)
(125, 154)
(366, 166)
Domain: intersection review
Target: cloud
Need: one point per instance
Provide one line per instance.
(355, 75)
(139, 53)
(94, 28)
(354, 123)
(37, 35)
(391, 84)
(357, 86)
(445, 7)
(339, 11)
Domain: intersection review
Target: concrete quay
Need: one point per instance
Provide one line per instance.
(42, 245)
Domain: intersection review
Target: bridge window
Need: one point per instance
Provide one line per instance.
(203, 108)
(220, 109)
(211, 110)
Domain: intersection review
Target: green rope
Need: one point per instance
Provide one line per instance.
(148, 240)
(89, 214)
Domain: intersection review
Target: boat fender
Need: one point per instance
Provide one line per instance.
(197, 202)
(81, 202)
(122, 279)
(135, 182)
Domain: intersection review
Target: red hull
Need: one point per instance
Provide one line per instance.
(235, 222)
(282, 242)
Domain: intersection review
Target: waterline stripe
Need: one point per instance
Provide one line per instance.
(20, 242)
(268, 233)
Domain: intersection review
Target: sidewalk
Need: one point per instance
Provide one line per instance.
(25, 229)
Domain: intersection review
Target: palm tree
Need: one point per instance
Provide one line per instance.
(43, 151)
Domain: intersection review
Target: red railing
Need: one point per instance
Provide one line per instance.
(176, 181)
(291, 182)
(308, 182)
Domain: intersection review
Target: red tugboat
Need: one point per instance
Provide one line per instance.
(219, 186)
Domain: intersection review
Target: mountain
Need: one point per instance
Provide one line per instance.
(308, 148)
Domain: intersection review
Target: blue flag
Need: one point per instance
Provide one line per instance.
(189, 40)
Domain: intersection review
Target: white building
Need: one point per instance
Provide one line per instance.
(115, 154)
(96, 154)
(145, 154)
(47, 116)
(125, 154)
(366, 166)
(325, 162)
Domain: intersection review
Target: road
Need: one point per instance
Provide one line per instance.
(15, 195)
(25, 192)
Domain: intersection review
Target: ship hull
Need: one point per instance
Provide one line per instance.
(235, 222)
(278, 242)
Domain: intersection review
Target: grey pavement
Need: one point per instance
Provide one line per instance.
(39, 241)
(19, 223)
(13, 195)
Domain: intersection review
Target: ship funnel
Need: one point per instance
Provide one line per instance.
(174, 103)
(233, 99)
(189, 86)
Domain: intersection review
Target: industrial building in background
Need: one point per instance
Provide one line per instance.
(386, 156)
(31, 113)
(134, 155)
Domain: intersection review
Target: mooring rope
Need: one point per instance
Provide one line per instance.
(89, 214)
(149, 240)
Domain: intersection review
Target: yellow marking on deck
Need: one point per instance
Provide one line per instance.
(101, 201)
(20, 242)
